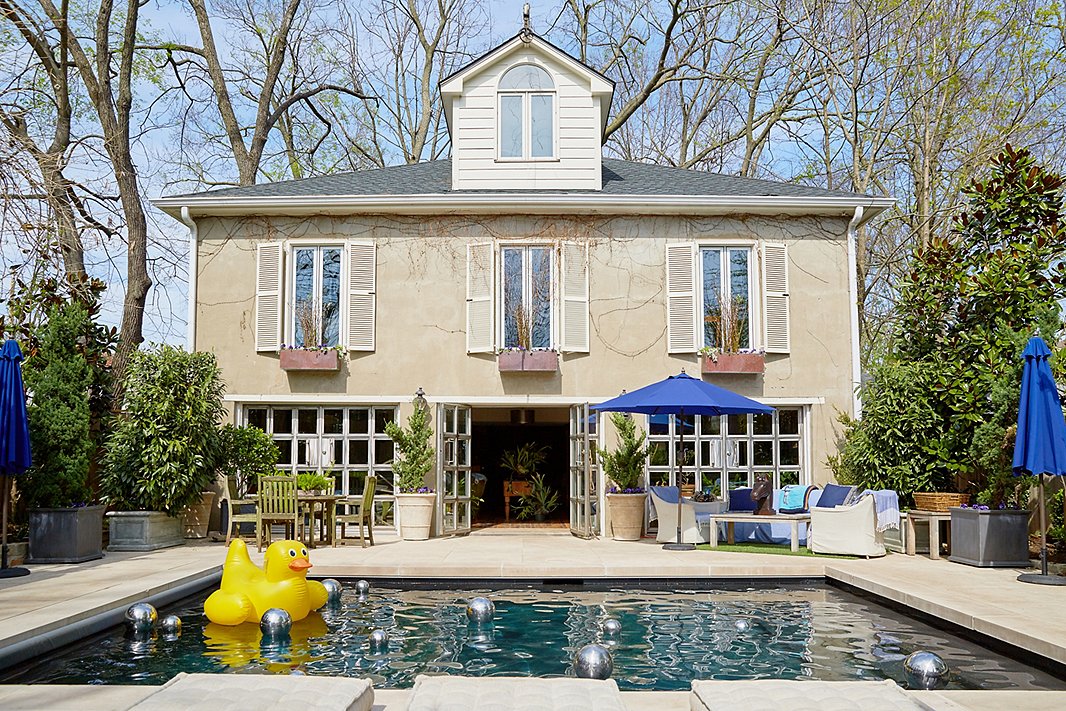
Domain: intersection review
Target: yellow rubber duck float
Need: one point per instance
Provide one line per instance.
(248, 591)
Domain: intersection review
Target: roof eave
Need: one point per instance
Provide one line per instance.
(530, 203)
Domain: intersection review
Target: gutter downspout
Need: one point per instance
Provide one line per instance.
(853, 293)
(190, 338)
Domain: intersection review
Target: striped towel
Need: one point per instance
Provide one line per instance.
(886, 503)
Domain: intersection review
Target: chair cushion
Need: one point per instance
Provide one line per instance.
(740, 500)
(667, 494)
(501, 693)
(775, 695)
(834, 495)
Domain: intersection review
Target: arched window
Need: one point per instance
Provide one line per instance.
(527, 113)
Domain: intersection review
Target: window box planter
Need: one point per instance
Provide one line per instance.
(300, 360)
(72, 535)
(990, 539)
(746, 363)
(528, 361)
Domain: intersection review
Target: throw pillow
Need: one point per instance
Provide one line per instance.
(834, 495)
(740, 500)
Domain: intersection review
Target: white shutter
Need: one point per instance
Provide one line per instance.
(681, 311)
(775, 297)
(480, 291)
(362, 265)
(575, 298)
(268, 265)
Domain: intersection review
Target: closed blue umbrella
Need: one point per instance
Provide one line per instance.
(681, 395)
(15, 455)
(1040, 445)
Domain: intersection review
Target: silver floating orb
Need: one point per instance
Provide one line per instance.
(593, 661)
(925, 670)
(276, 623)
(170, 626)
(362, 588)
(378, 640)
(480, 610)
(742, 625)
(333, 591)
(612, 626)
(140, 618)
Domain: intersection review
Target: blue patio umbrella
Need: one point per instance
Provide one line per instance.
(15, 455)
(1040, 445)
(681, 395)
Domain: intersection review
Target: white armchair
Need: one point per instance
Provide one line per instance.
(695, 516)
(847, 530)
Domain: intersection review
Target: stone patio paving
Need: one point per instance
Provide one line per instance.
(1031, 617)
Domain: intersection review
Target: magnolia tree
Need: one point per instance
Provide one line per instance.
(938, 411)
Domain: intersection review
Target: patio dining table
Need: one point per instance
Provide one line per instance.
(324, 508)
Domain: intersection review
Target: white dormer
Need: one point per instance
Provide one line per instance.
(526, 116)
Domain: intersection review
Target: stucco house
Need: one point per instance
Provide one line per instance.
(607, 274)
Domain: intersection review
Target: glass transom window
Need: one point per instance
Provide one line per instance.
(526, 114)
(726, 283)
(316, 296)
(526, 293)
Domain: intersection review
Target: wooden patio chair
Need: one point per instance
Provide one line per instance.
(234, 505)
(277, 504)
(360, 511)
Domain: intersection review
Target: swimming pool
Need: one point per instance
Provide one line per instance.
(667, 639)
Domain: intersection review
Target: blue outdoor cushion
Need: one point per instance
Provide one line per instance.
(740, 500)
(834, 495)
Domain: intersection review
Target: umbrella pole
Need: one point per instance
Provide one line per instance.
(1043, 530)
(678, 477)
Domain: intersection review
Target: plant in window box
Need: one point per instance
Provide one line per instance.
(315, 324)
(625, 467)
(525, 327)
(415, 458)
(726, 324)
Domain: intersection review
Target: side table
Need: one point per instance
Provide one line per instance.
(934, 519)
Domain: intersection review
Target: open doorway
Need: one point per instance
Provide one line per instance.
(499, 430)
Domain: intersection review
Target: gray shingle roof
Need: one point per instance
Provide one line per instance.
(620, 177)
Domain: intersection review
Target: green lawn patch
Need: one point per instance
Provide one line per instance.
(771, 548)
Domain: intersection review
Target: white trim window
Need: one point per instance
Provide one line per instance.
(726, 284)
(527, 296)
(526, 108)
(314, 307)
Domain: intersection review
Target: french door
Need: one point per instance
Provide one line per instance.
(453, 469)
(583, 504)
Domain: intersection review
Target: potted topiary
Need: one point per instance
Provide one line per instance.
(165, 447)
(64, 527)
(248, 453)
(414, 460)
(625, 467)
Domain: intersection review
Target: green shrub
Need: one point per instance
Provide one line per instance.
(247, 452)
(625, 465)
(312, 481)
(166, 445)
(415, 457)
(59, 377)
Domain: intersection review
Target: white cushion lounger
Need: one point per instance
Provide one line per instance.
(511, 693)
(779, 695)
(260, 692)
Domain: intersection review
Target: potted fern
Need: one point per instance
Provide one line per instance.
(414, 460)
(625, 467)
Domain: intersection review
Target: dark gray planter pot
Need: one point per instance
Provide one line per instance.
(990, 539)
(144, 531)
(66, 535)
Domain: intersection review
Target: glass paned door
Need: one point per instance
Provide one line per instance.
(453, 470)
(583, 504)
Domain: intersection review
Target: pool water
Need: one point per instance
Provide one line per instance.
(667, 639)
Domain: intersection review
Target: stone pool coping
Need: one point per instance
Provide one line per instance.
(36, 611)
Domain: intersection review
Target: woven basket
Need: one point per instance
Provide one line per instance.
(939, 500)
